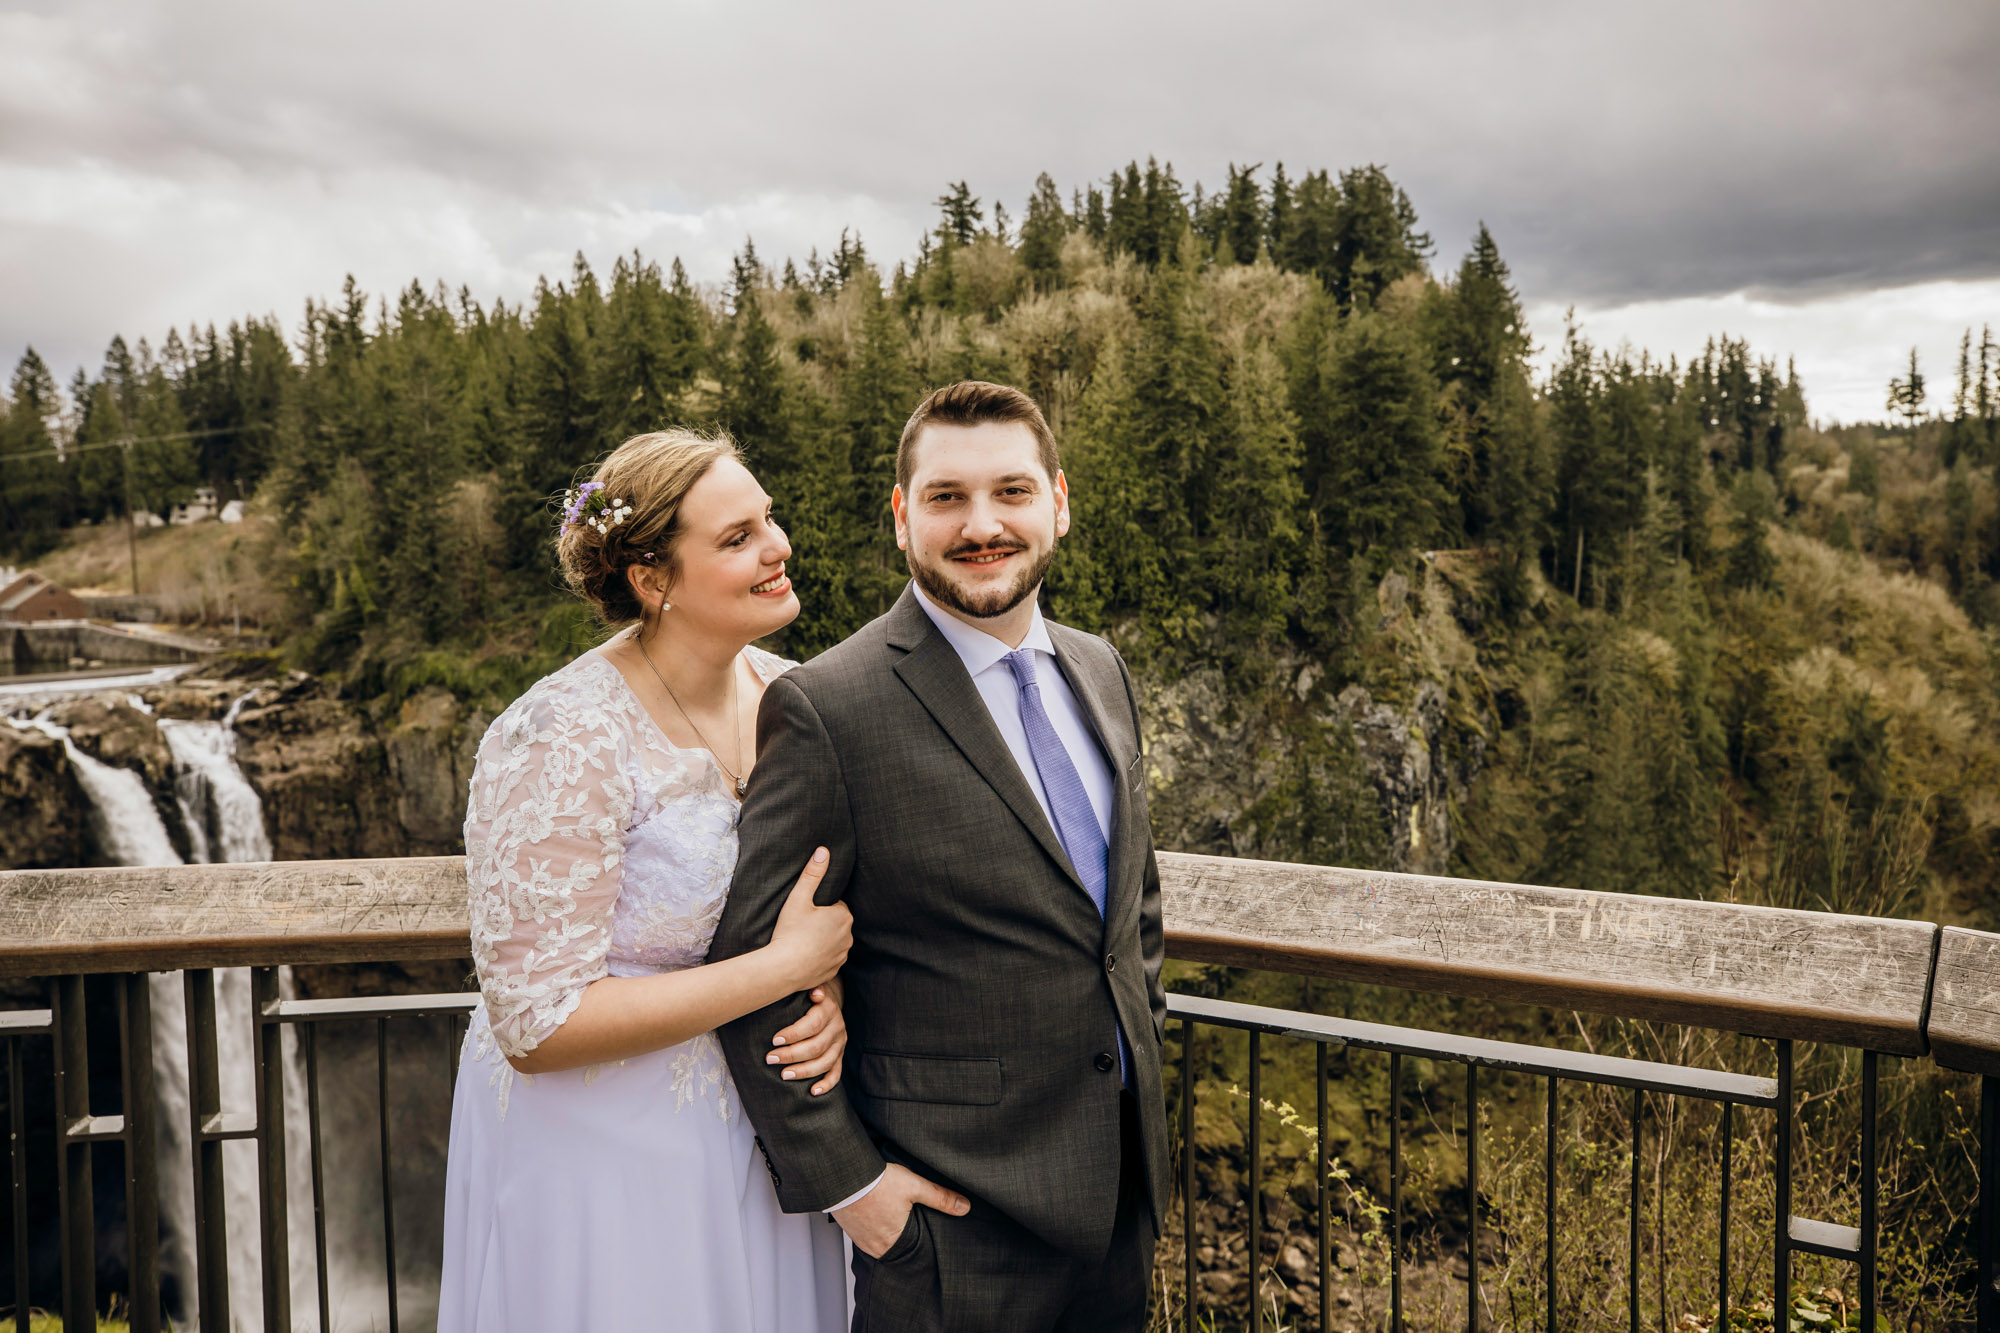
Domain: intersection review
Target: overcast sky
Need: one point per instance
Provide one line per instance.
(1823, 177)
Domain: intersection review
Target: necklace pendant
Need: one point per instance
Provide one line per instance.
(742, 785)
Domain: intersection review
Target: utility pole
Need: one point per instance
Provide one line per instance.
(131, 518)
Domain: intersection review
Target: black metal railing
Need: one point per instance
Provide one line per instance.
(80, 1127)
(1856, 1244)
(117, 1112)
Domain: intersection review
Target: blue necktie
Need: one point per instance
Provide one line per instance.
(1082, 837)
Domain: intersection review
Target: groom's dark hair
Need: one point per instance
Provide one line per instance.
(973, 403)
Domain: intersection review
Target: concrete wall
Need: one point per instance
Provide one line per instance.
(51, 646)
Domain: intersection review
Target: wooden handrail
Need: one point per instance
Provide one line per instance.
(1811, 976)
(1964, 1025)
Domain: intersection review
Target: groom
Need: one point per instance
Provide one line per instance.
(974, 771)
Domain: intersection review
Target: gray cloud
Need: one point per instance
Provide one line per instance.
(160, 162)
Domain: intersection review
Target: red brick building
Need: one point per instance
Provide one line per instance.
(31, 597)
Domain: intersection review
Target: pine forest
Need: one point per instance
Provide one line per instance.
(1401, 590)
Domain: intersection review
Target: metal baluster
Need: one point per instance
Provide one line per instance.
(1781, 1228)
(142, 1153)
(211, 1233)
(1868, 1095)
(1722, 1259)
(1256, 1179)
(1187, 1161)
(1632, 1286)
(388, 1191)
(1325, 1199)
(74, 1185)
(1472, 1198)
(309, 1039)
(1395, 1192)
(17, 1151)
(273, 1222)
(1549, 1203)
(1987, 1262)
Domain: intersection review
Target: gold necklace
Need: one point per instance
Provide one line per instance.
(736, 716)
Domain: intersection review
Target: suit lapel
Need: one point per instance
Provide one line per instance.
(933, 672)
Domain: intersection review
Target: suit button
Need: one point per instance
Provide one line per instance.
(1106, 1062)
(1111, 962)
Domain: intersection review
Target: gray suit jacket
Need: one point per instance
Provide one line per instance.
(982, 984)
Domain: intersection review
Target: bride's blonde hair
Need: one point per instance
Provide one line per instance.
(646, 478)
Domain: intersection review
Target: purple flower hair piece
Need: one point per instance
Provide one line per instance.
(589, 505)
(577, 498)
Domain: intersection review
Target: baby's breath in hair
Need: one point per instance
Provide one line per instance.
(588, 504)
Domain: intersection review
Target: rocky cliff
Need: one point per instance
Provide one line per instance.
(337, 778)
(41, 808)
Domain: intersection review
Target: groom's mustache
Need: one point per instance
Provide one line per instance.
(984, 548)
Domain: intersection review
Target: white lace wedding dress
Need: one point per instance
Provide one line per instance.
(631, 1195)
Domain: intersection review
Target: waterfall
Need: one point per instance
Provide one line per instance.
(225, 818)
(122, 816)
(225, 822)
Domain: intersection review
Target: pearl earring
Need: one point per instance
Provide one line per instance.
(666, 606)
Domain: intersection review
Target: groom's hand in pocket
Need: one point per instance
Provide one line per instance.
(874, 1221)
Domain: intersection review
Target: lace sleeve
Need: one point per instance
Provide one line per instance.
(544, 835)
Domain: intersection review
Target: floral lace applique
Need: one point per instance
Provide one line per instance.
(594, 846)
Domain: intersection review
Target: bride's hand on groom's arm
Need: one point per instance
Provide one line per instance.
(809, 943)
(814, 1045)
(876, 1219)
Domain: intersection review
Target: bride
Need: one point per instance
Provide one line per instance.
(601, 1173)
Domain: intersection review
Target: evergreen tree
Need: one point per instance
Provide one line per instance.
(1585, 467)
(753, 387)
(1043, 232)
(1094, 218)
(876, 395)
(1376, 236)
(1253, 505)
(1631, 804)
(34, 499)
(104, 422)
(1962, 434)
(1480, 348)
(164, 466)
(1986, 394)
(421, 378)
(1753, 506)
(1124, 225)
(961, 215)
(1278, 216)
(651, 348)
(1311, 231)
(1906, 392)
(1373, 450)
(1684, 473)
(850, 261)
(1242, 214)
(561, 416)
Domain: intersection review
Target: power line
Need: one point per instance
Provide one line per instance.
(126, 441)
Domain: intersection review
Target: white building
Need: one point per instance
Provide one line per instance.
(201, 508)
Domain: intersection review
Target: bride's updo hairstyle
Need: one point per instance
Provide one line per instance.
(628, 512)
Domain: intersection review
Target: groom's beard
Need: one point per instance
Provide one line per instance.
(980, 606)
